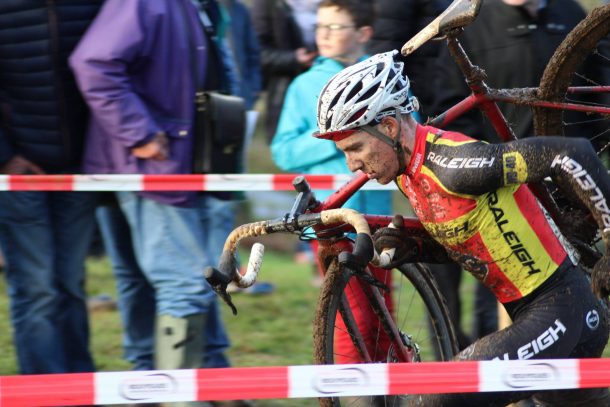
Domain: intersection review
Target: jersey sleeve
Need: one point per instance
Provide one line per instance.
(571, 163)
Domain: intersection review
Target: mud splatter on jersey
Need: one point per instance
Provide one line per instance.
(470, 198)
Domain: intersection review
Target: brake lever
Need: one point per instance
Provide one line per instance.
(215, 278)
(219, 282)
(346, 259)
(358, 260)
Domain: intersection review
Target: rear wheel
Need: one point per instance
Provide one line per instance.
(582, 59)
(419, 315)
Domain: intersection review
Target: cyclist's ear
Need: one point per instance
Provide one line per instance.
(390, 126)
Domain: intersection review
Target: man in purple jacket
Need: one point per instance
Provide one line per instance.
(134, 68)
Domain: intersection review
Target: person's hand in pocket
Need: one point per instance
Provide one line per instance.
(155, 149)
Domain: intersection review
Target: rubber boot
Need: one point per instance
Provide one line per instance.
(179, 344)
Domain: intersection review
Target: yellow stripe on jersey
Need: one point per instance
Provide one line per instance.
(514, 168)
(434, 139)
(512, 242)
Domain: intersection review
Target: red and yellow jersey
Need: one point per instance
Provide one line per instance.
(470, 197)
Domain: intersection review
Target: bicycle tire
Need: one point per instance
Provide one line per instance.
(582, 58)
(417, 283)
(563, 67)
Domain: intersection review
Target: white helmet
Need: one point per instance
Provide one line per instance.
(363, 93)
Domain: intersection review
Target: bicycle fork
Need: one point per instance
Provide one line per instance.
(372, 287)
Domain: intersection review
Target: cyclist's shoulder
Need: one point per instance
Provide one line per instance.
(435, 136)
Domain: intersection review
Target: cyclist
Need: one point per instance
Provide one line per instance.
(472, 199)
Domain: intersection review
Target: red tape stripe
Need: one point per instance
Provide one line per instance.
(594, 373)
(283, 182)
(242, 383)
(41, 183)
(193, 182)
(433, 377)
(47, 390)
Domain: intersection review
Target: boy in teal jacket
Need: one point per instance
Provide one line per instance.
(343, 28)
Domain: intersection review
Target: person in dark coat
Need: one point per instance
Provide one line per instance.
(287, 48)
(397, 22)
(44, 235)
(512, 40)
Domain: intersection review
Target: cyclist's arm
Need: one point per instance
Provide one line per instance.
(570, 162)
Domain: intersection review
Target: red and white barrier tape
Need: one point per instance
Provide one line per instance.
(301, 382)
(176, 182)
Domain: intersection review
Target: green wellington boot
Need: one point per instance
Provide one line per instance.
(179, 344)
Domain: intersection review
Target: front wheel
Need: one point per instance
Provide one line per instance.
(348, 330)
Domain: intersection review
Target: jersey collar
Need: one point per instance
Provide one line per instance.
(419, 147)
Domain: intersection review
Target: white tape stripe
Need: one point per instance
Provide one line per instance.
(525, 375)
(153, 386)
(337, 380)
(108, 182)
(239, 182)
(4, 185)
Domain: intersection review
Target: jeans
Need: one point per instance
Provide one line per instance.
(218, 218)
(45, 238)
(136, 292)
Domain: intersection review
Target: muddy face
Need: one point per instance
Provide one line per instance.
(370, 155)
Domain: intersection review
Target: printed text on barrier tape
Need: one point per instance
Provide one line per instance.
(301, 382)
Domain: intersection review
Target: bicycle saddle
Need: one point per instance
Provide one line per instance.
(459, 14)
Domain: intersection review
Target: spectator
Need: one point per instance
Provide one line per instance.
(527, 31)
(244, 46)
(344, 27)
(245, 50)
(44, 235)
(286, 34)
(397, 22)
(139, 83)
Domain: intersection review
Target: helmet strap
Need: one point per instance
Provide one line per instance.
(377, 134)
(400, 152)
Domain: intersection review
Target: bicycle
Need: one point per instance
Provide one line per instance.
(354, 270)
